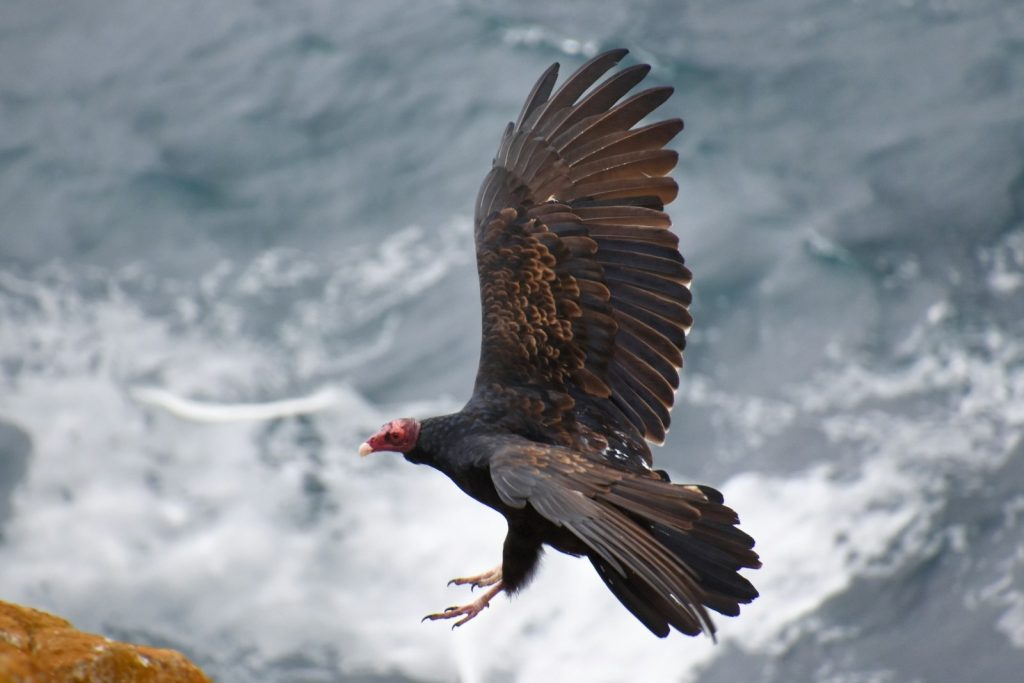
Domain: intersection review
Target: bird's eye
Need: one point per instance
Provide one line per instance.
(390, 437)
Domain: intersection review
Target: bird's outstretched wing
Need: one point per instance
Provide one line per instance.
(583, 289)
(666, 551)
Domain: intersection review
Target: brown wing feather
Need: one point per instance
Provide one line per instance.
(583, 287)
(535, 332)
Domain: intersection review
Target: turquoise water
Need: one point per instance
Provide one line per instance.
(213, 206)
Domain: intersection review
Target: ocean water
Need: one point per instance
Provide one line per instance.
(235, 238)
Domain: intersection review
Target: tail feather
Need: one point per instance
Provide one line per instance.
(649, 606)
(716, 570)
(669, 553)
(710, 548)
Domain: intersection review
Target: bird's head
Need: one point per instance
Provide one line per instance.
(398, 435)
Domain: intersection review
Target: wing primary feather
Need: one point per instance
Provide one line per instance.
(668, 370)
(621, 117)
(651, 424)
(645, 202)
(600, 100)
(671, 268)
(638, 245)
(539, 94)
(663, 345)
(503, 147)
(652, 382)
(674, 289)
(662, 187)
(657, 413)
(653, 136)
(578, 82)
(674, 332)
(597, 213)
(644, 162)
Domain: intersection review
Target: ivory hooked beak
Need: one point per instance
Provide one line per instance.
(365, 449)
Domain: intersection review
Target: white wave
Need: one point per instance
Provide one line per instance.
(1006, 263)
(202, 411)
(532, 35)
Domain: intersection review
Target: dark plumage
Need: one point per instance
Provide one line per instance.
(584, 297)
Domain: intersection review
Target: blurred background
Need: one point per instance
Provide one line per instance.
(207, 206)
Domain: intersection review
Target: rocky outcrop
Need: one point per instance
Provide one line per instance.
(36, 647)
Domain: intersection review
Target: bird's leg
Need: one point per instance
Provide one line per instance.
(469, 611)
(488, 578)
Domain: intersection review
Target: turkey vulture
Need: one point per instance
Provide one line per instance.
(585, 313)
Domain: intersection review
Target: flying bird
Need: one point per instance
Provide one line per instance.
(585, 313)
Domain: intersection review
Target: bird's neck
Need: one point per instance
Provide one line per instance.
(457, 446)
(438, 437)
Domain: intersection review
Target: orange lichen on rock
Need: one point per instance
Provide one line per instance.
(36, 647)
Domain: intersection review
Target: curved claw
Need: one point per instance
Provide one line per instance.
(467, 612)
(488, 578)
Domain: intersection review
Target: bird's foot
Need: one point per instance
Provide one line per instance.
(488, 578)
(469, 611)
